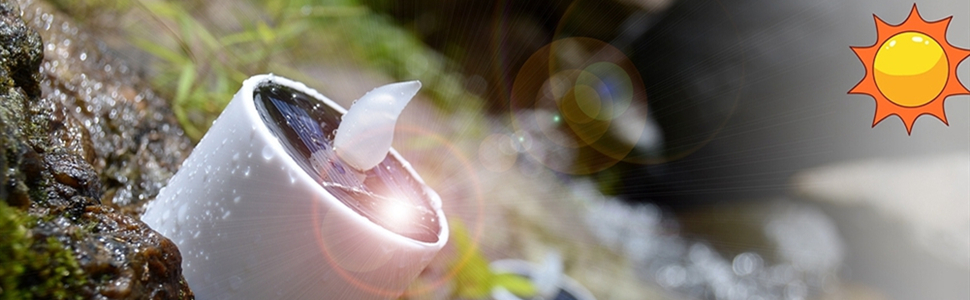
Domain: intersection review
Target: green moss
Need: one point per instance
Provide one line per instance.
(32, 268)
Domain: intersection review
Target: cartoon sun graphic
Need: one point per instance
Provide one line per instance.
(910, 69)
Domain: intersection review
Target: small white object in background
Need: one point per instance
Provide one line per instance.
(548, 279)
(547, 276)
(253, 221)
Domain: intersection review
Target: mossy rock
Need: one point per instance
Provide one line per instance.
(81, 148)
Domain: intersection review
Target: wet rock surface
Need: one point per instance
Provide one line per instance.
(84, 144)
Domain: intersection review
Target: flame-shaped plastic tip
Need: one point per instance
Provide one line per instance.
(365, 133)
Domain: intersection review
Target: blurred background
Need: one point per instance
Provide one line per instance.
(659, 149)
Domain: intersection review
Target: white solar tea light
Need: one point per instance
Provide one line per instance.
(289, 196)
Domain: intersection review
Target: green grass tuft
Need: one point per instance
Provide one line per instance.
(200, 66)
(473, 278)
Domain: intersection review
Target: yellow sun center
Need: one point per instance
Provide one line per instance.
(907, 60)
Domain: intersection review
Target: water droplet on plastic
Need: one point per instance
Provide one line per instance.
(267, 152)
(183, 213)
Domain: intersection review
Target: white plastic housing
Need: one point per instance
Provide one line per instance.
(251, 224)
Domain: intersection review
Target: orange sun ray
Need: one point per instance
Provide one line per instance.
(887, 106)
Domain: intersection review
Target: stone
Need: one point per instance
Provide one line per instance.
(83, 144)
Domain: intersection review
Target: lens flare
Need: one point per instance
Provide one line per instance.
(497, 152)
(347, 270)
(572, 95)
(398, 213)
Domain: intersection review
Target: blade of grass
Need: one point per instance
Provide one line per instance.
(266, 34)
(473, 276)
(159, 50)
(246, 36)
(162, 8)
(518, 285)
(186, 79)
